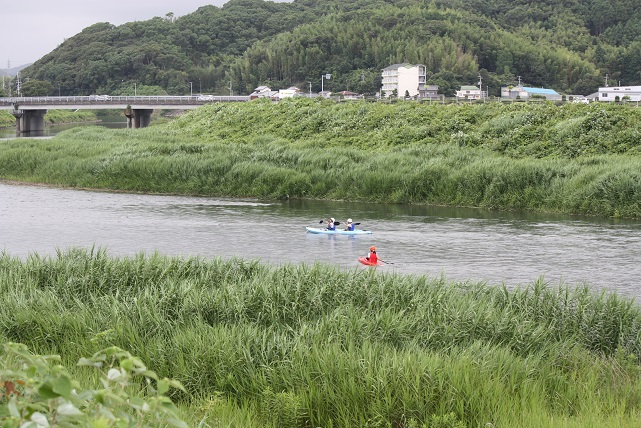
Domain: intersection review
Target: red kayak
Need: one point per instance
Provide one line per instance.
(368, 263)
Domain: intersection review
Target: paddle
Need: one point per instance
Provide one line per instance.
(338, 222)
(388, 263)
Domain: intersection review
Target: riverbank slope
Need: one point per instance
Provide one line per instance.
(583, 159)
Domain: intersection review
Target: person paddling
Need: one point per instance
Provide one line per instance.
(372, 257)
(350, 225)
(330, 224)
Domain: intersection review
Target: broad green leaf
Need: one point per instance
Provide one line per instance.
(127, 364)
(68, 409)
(13, 408)
(163, 386)
(46, 390)
(177, 423)
(150, 374)
(88, 362)
(62, 386)
(114, 374)
(139, 404)
(40, 419)
(176, 384)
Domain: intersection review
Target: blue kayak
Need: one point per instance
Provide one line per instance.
(338, 231)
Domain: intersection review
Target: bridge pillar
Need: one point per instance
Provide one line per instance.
(30, 122)
(138, 117)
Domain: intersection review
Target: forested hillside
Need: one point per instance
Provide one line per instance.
(567, 45)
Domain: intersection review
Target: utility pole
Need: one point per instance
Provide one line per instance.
(324, 76)
(606, 80)
(230, 91)
(191, 88)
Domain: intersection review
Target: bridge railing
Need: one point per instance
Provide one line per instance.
(129, 99)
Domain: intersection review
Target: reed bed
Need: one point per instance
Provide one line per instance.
(572, 158)
(160, 160)
(312, 345)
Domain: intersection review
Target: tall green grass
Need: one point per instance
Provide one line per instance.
(6, 119)
(572, 158)
(311, 345)
(161, 160)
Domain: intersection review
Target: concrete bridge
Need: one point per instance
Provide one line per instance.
(30, 111)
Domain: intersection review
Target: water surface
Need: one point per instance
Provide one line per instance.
(462, 244)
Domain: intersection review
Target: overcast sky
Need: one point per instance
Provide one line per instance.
(33, 28)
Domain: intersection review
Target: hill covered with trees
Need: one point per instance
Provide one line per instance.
(567, 45)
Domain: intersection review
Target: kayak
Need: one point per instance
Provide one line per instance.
(337, 231)
(368, 263)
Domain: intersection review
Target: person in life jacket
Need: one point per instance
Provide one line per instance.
(372, 257)
(350, 225)
(330, 224)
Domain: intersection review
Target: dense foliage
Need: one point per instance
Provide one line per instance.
(6, 119)
(37, 391)
(567, 45)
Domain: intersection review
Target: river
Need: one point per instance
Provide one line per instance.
(461, 244)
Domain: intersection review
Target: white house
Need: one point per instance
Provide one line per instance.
(633, 93)
(290, 92)
(263, 92)
(347, 95)
(404, 79)
(471, 93)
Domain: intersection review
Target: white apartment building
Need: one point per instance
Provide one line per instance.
(611, 93)
(404, 78)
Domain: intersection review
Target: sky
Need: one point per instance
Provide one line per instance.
(31, 29)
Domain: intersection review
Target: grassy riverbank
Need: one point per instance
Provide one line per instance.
(571, 158)
(6, 119)
(305, 345)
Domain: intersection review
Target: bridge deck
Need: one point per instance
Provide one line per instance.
(95, 102)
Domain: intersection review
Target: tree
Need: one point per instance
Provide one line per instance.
(36, 88)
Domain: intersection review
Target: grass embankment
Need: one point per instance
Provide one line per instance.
(6, 119)
(52, 117)
(522, 157)
(296, 346)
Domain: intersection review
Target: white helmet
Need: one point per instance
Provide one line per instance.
(349, 220)
(332, 219)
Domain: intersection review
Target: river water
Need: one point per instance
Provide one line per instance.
(461, 244)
